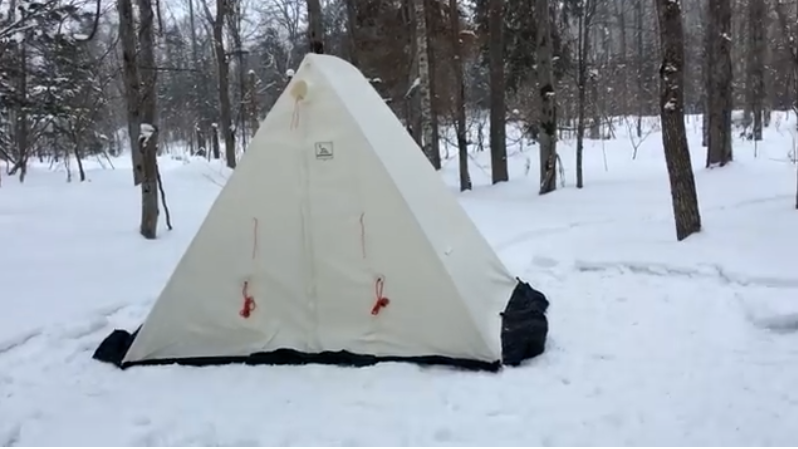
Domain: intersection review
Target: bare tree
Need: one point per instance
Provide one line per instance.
(719, 148)
(498, 132)
(315, 27)
(223, 73)
(547, 101)
(585, 17)
(639, 63)
(459, 93)
(674, 138)
(424, 77)
(756, 67)
(431, 8)
(790, 36)
(148, 138)
(127, 37)
(351, 25)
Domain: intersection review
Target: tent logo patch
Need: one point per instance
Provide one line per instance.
(324, 150)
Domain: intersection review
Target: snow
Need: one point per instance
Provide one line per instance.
(652, 342)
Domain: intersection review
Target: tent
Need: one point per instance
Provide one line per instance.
(335, 241)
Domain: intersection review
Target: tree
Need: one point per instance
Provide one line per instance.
(585, 12)
(424, 77)
(315, 27)
(459, 92)
(755, 84)
(140, 91)
(498, 139)
(547, 100)
(223, 74)
(132, 82)
(719, 146)
(674, 138)
(351, 26)
(148, 139)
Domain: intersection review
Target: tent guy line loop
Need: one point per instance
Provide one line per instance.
(249, 302)
(381, 301)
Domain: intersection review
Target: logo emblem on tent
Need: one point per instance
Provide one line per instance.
(324, 150)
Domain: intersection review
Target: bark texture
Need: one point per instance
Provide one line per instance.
(459, 93)
(498, 132)
(583, 48)
(223, 69)
(424, 79)
(148, 138)
(132, 80)
(756, 66)
(548, 101)
(674, 139)
(719, 148)
(429, 6)
(315, 27)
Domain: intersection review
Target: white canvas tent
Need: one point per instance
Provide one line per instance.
(333, 240)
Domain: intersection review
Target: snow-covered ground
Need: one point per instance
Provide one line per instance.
(652, 342)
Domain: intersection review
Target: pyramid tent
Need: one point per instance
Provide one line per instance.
(334, 240)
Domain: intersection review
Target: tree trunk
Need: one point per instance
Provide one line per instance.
(215, 141)
(548, 115)
(22, 134)
(583, 49)
(234, 18)
(225, 114)
(498, 131)
(433, 85)
(674, 138)
(639, 62)
(252, 104)
(620, 12)
(351, 25)
(459, 96)
(412, 98)
(719, 151)
(315, 27)
(127, 37)
(195, 91)
(756, 54)
(424, 86)
(148, 138)
(706, 76)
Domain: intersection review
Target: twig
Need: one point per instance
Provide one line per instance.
(163, 198)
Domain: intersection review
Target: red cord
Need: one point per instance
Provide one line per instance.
(382, 301)
(249, 302)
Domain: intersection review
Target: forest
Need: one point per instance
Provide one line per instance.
(91, 79)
